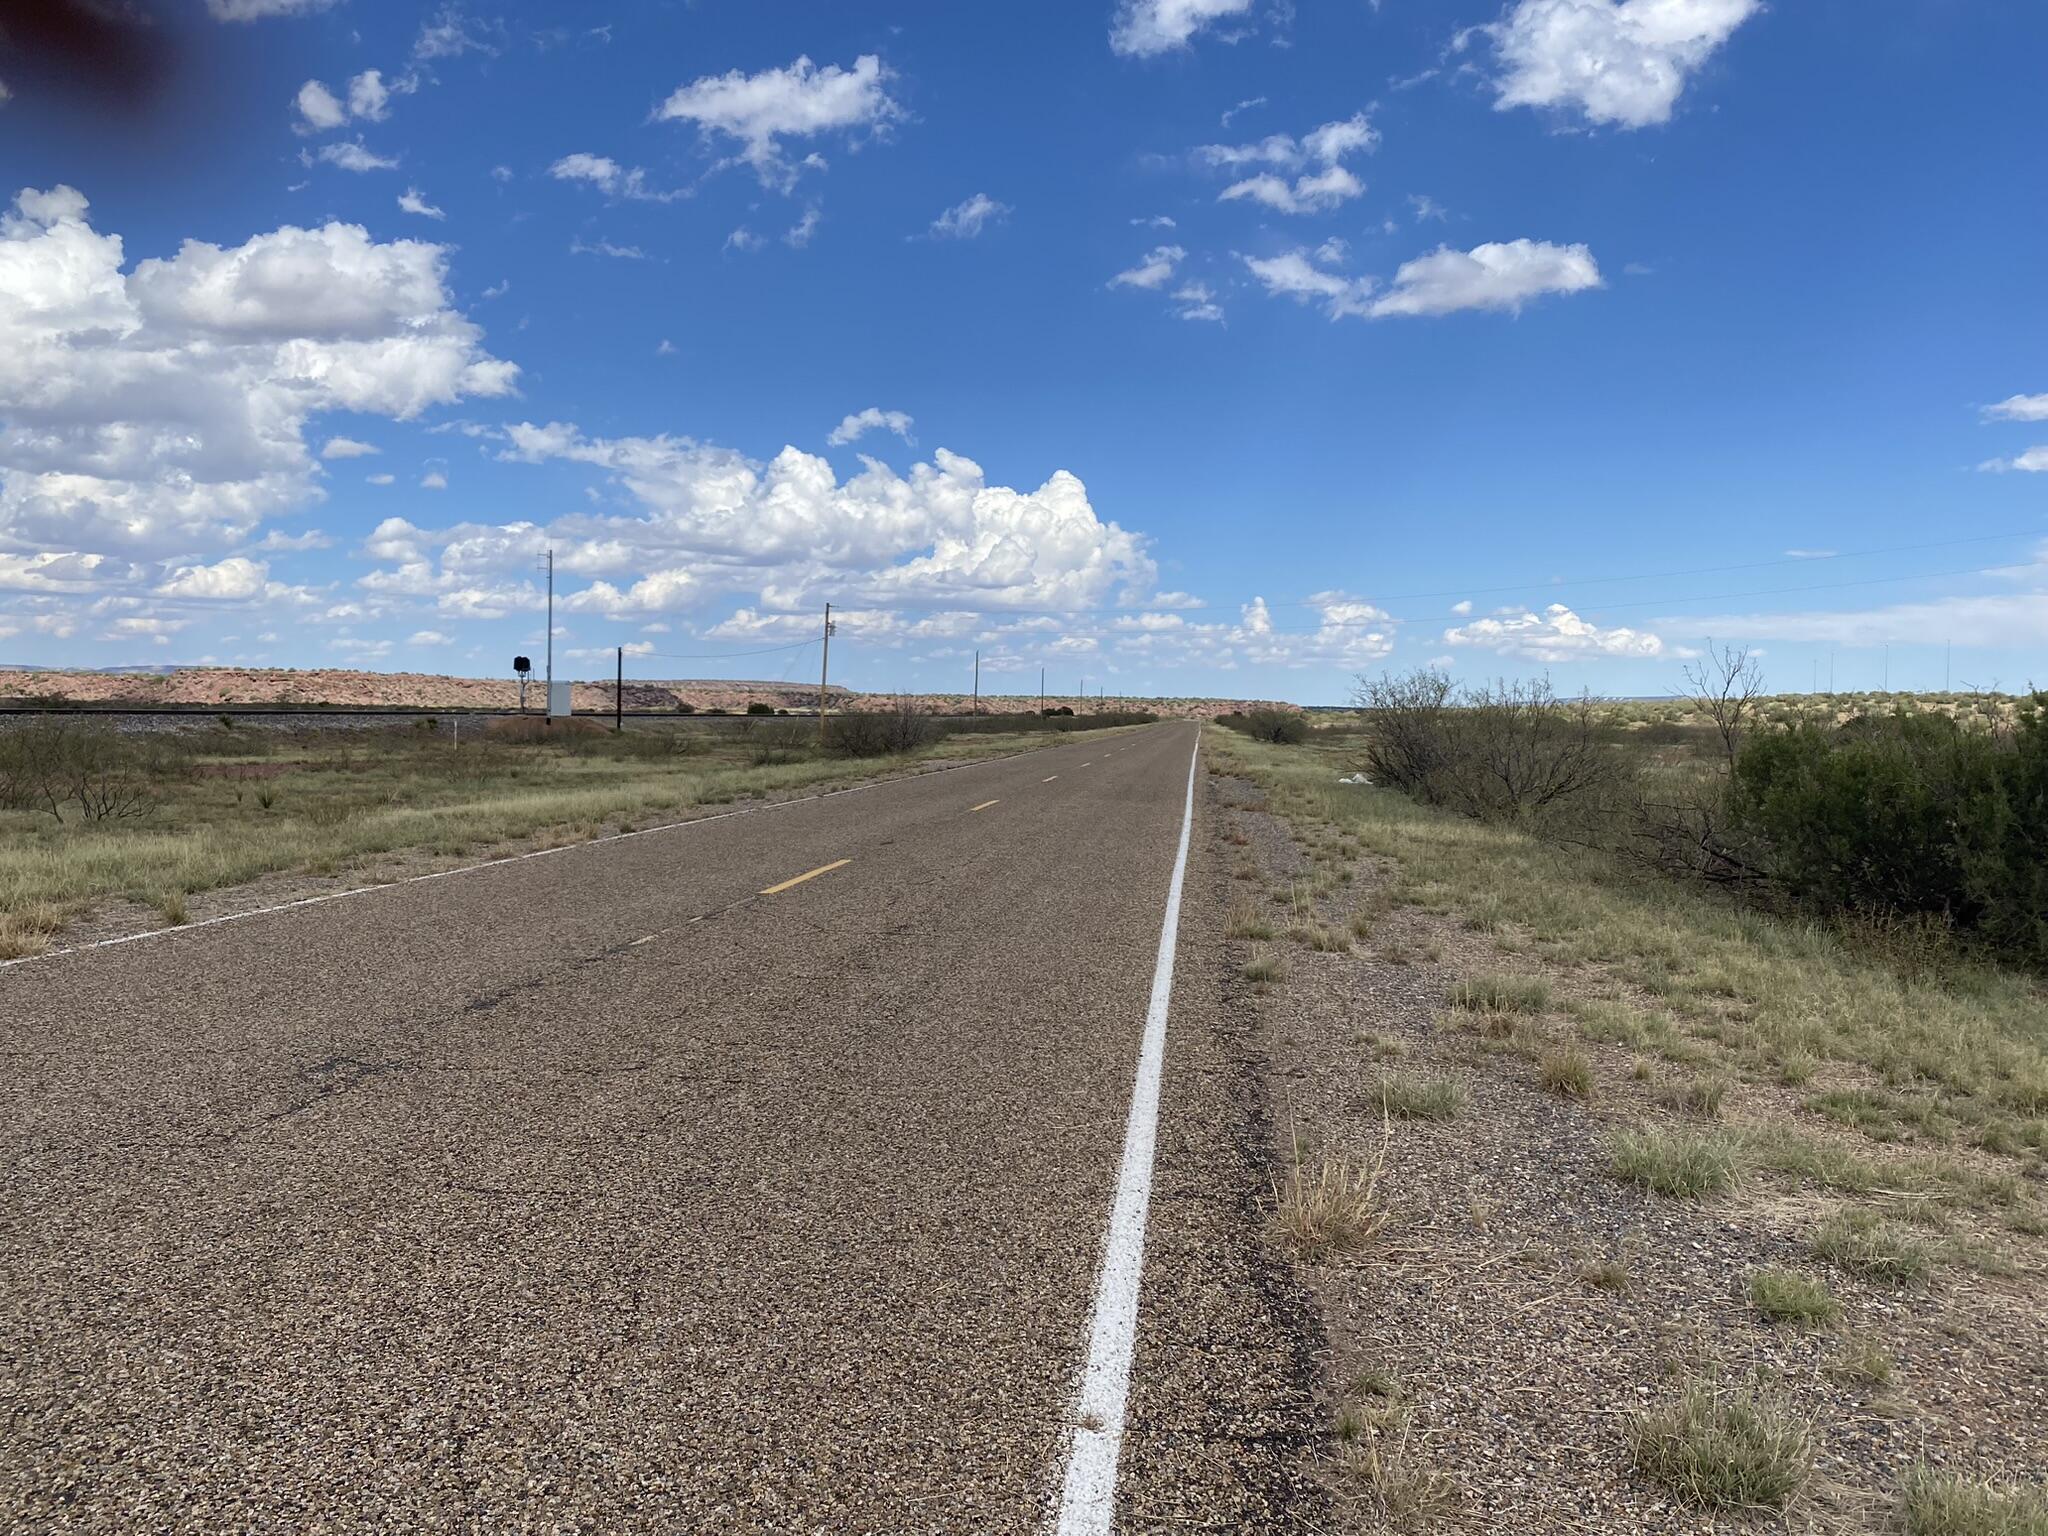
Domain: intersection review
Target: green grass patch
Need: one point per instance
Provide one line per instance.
(1936, 1503)
(1865, 1243)
(1687, 1164)
(1414, 1096)
(1724, 1449)
(1787, 1296)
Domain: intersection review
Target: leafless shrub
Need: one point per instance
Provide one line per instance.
(901, 727)
(1726, 684)
(1508, 751)
(52, 767)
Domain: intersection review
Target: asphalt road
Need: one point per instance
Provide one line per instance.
(635, 1189)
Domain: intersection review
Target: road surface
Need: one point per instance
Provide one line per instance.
(747, 1176)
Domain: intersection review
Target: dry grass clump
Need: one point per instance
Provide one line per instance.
(1414, 1096)
(1861, 1360)
(1933, 1503)
(1701, 1095)
(1379, 1463)
(1265, 967)
(1320, 937)
(1502, 994)
(1724, 1448)
(1609, 1274)
(1247, 920)
(1865, 1243)
(1566, 1072)
(1787, 1296)
(1336, 1204)
(1683, 1163)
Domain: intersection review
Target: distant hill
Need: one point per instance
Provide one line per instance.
(214, 687)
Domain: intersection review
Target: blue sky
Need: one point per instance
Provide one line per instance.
(1193, 346)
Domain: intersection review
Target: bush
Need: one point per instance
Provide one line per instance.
(1057, 709)
(1505, 752)
(88, 770)
(758, 708)
(1284, 727)
(1907, 814)
(880, 732)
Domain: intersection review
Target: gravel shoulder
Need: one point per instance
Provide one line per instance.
(1523, 1306)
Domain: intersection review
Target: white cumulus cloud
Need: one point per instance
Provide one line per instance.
(798, 101)
(1556, 634)
(346, 448)
(1615, 61)
(164, 410)
(410, 201)
(1499, 275)
(1144, 27)
(873, 419)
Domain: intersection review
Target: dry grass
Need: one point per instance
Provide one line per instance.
(1248, 920)
(1936, 1503)
(1724, 1448)
(1415, 1096)
(1336, 1204)
(1379, 1462)
(1865, 1243)
(1502, 994)
(1861, 1360)
(1566, 1072)
(1265, 967)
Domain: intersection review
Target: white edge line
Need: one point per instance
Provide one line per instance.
(1088, 1498)
(515, 858)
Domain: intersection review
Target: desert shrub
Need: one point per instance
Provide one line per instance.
(65, 769)
(1057, 709)
(881, 731)
(1907, 814)
(758, 708)
(1509, 751)
(1284, 727)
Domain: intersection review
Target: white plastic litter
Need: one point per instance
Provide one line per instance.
(1356, 778)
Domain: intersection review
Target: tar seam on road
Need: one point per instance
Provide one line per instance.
(1088, 1499)
(809, 874)
(983, 806)
(516, 858)
(1048, 778)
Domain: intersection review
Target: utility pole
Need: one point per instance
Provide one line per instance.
(551, 629)
(1041, 690)
(977, 683)
(619, 695)
(824, 671)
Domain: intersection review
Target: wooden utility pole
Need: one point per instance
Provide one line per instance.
(1041, 690)
(977, 684)
(619, 695)
(824, 671)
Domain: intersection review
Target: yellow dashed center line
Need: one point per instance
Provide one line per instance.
(822, 869)
(983, 806)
